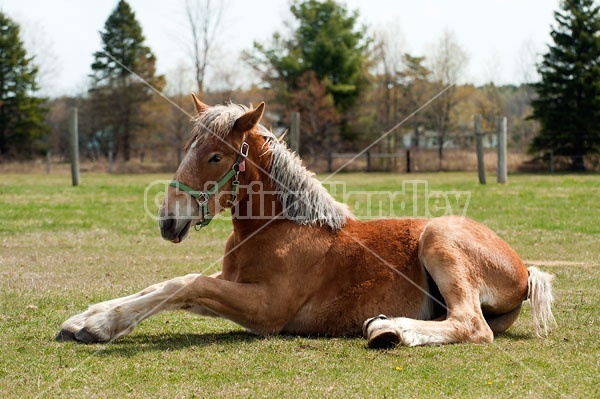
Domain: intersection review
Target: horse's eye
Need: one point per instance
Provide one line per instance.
(215, 158)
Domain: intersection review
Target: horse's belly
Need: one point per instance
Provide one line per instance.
(342, 304)
(371, 268)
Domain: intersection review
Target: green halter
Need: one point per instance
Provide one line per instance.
(203, 196)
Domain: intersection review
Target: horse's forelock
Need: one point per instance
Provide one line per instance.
(217, 120)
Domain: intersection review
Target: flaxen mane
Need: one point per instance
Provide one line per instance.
(304, 198)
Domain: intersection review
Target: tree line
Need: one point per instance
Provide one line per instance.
(351, 86)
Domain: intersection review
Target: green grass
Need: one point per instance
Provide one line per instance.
(63, 248)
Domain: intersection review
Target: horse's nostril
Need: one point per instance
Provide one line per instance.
(166, 223)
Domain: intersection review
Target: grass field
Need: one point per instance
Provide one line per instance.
(64, 248)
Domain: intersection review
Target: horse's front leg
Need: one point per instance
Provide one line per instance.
(242, 303)
(76, 327)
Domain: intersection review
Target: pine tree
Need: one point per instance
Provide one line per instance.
(117, 94)
(328, 42)
(21, 113)
(568, 103)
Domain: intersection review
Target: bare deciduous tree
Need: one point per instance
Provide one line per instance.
(390, 48)
(204, 19)
(525, 64)
(447, 63)
(38, 43)
(177, 120)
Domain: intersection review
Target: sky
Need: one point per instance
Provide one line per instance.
(503, 38)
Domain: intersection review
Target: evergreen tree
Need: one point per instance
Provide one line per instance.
(21, 113)
(568, 103)
(117, 94)
(326, 41)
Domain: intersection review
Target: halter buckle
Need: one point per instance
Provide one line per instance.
(244, 149)
(243, 154)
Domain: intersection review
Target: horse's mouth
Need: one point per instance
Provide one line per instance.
(182, 233)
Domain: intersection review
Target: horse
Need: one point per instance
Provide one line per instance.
(299, 262)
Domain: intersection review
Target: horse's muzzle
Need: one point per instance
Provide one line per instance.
(173, 228)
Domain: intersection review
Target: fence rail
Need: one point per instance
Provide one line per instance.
(370, 156)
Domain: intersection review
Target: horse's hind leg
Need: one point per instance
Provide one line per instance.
(388, 332)
(462, 325)
(451, 269)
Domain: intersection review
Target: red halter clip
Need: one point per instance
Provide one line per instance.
(243, 153)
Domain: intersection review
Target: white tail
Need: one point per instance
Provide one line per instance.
(541, 300)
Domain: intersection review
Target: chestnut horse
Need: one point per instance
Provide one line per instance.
(298, 261)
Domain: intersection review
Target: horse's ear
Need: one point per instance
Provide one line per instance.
(200, 106)
(249, 119)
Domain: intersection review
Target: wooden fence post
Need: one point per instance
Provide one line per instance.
(479, 147)
(502, 168)
(74, 146)
(48, 161)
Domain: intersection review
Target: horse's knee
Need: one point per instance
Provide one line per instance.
(178, 289)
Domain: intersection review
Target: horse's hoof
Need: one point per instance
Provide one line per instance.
(86, 337)
(383, 339)
(65, 335)
(379, 333)
(368, 322)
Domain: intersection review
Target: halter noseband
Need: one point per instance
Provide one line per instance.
(203, 196)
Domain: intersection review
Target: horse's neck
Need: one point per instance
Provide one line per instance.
(256, 211)
(284, 189)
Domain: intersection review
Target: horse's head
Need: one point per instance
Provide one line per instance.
(207, 178)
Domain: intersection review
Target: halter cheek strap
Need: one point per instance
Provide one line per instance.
(203, 196)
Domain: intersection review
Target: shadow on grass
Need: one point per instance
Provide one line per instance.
(514, 336)
(130, 346)
(139, 343)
